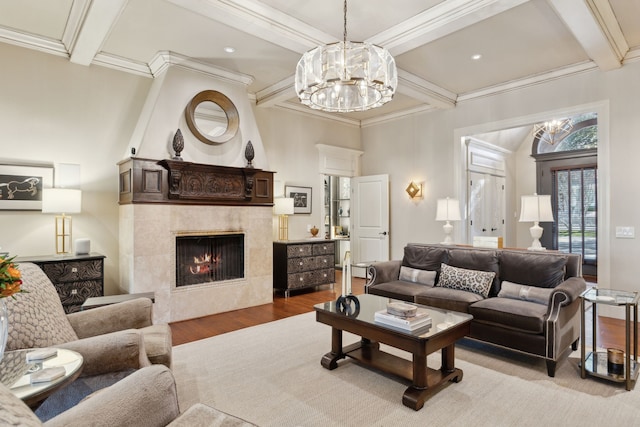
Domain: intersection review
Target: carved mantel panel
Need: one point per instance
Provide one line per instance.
(177, 182)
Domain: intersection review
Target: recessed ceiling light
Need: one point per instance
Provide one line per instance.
(229, 49)
(476, 57)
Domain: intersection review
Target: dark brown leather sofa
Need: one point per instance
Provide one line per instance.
(531, 304)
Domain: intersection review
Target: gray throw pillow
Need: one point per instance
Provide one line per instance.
(524, 292)
(475, 281)
(416, 275)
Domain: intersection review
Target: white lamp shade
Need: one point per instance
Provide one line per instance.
(448, 210)
(61, 200)
(283, 206)
(536, 208)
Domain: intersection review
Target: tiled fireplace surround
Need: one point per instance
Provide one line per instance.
(147, 256)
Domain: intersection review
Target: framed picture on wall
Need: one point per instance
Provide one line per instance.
(21, 186)
(301, 198)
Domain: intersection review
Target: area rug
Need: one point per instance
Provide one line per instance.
(271, 375)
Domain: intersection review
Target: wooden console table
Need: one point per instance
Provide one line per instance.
(75, 277)
(303, 264)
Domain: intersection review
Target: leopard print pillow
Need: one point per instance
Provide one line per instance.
(475, 281)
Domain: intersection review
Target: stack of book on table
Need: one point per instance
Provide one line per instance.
(403, 316)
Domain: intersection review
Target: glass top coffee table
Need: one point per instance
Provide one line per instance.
(447, 327)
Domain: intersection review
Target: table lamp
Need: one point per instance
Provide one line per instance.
(536, 208)
(62, 201)
(448, 210)
(282, 207)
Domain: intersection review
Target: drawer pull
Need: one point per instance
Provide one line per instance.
(74, 292)
(300, 249)
(74, 269)
(301, 263)
(301, 279)
(324, 247)
(325, 261)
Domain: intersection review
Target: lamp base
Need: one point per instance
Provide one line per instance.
(448, 228)
(536, 233)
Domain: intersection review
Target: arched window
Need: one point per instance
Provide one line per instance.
(567, 169)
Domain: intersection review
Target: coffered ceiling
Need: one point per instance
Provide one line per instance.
(521, 42)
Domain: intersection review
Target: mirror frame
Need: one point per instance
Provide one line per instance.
(233, 119)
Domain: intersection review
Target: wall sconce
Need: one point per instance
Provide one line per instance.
(448, 210)
(537, 209)
(282, 207)
(62, 201)
(414, 190)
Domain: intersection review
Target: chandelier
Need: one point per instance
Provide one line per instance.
(346, 76)
(553, 131)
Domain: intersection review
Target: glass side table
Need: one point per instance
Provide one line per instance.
(594, 363)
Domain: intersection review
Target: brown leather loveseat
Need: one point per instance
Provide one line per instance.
(523, 300)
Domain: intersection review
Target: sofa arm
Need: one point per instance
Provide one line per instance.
(133, 314)
(147, 397)
(382, 272)
(568, 291)
(110, 352)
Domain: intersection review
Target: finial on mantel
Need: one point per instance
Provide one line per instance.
(178, 145)
(249, 154)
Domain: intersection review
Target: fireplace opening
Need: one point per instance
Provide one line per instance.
(211, 258)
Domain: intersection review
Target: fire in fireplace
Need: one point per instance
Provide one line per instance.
(209, 258)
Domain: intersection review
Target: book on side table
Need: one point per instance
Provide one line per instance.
(418, 320)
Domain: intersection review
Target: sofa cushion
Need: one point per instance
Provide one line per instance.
(464, 279)
(477, 259)
(510, 313)
(424, 257)
(533, 268)
(397, 289)
(418, 276)
(447, 299)
(525, 293)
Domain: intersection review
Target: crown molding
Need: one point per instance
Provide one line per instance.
(537, 79)
(335, 117)
(165, 59)
(30, 41)
(122, 64)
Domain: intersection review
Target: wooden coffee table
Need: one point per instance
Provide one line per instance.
(447, 327)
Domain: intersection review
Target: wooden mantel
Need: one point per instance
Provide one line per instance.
(180, 182)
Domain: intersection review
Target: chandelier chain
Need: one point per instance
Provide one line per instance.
(344, 37)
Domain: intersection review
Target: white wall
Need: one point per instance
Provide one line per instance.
(53, 111)
(289, 138)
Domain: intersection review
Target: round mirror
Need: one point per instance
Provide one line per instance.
(212, 117)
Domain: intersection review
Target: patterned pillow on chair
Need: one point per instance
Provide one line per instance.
(36, 318)
(475, 281)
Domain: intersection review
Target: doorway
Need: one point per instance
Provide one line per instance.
(522, 177)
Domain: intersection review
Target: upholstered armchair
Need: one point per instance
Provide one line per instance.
(146, 398)
(110, 338)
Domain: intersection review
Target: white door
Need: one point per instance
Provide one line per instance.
(486, 205)
(369, 220)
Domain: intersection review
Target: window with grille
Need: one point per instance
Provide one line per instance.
(575, 205)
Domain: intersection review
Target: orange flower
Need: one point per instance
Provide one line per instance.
(13, 271)
(10, 277)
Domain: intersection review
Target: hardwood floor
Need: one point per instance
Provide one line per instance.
(610, 331)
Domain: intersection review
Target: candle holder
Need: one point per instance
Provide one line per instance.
(615, 361)
(349, 305)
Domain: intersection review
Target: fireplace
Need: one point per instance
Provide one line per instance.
(158, 207)
(209, 258)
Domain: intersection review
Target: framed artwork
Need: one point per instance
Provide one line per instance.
(21, 186)
(301, 198)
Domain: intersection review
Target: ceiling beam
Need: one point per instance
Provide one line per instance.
(596, 28)
(98, 21)
(439, 21)
(256, 18)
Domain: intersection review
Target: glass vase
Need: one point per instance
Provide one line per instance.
(4, 326)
